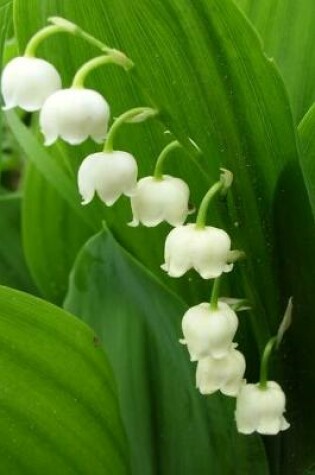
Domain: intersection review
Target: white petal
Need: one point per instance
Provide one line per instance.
(107, 174)
(269, 425)
(157, 200)
(260, 409)
(246, 415)
(210, 249)
(209, 332)
(27, 82)
(225, 374)
(75, 114)
(177, 259)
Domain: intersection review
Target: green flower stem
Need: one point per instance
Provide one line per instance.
(60, 25)
(215, 293)
(114, 58)
(221, 186)
(158, 171)
(40, 36)
(202, 213)
(138, 114)
(77, 31)
(265, 362)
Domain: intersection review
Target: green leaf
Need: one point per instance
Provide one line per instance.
(13, 270)
(307, 160)
(286, 27)
(52, 235)
(48, 166)
(296, 233)
(55, 225)
(58, 403)
(169, 425)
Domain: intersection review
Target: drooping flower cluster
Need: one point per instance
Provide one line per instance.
(209, 328)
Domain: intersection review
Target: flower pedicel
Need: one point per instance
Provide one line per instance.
(111, 173)
(197, 246)
(160, 197)
(77, 113)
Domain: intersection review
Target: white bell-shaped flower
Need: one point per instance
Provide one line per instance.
(224, 374)
(160, 199)
(208, 331)
(28, 82)
(204, 249)
(74, 115)
(109, 174)
(261, 409)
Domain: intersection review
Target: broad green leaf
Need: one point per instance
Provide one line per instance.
(296, 232)
(52, 235)
(171, 428)
(5, 3)
(307, 160)
(49, 167)
(13, 270)
(58, 403)
(287, 30)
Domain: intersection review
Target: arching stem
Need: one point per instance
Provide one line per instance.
(221, 186)
(138, 114)
(158, 171)
(264, 365)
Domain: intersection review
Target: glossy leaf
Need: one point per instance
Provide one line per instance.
(54, 223)
(296, 233)
(52, 235)
(58, 402)
(286, 27)
(170, 427)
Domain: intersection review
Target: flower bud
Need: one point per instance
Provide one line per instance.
(109, 174)
(261, 409)
(160, 199)
(74, 115)
(28, 82)
(204, 249)
(224, 374)
(208, 331)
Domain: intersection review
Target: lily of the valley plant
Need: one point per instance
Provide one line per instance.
(197, 244)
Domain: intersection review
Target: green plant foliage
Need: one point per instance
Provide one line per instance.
(170, 427)
(52, 247)
(202, 65)
(237, 112)
(54, 226)
(307, 141)
(286, 28)
(58, 401)
(13, 270)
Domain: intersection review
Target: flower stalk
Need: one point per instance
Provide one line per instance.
(113, 58)
(215, 293)
(264, 365)
(158, 171)
(221, 187)
(135, 115)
